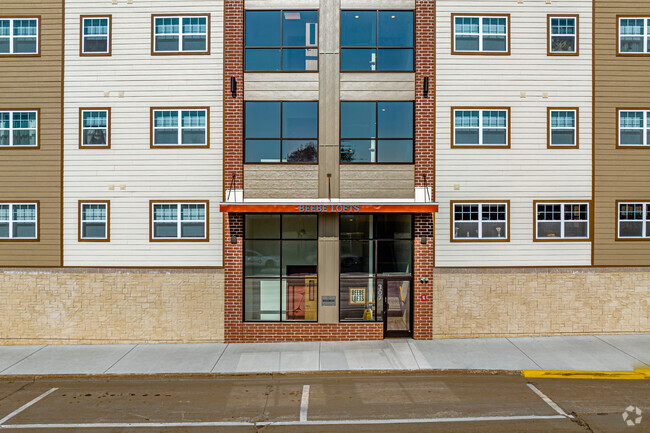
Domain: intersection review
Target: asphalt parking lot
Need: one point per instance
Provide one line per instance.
(321, 403)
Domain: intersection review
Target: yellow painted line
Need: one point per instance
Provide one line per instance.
(643, 371)
(577, 374)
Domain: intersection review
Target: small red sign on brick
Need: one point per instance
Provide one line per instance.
(423, 297)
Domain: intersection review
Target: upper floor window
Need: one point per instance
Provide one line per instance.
(633, 220)
(556, 221)
(189, 34)
(480, 221)
(489, 127)
(18, 221)
(186, 127)
(281, 41)
(96, 35)
(19, 128)
(179, 221)
(377, 40)
(19, 36)
(633, 127)
(563, 127)
(95, 128)
(563, 35)
(634, 35)
(281, 132)
(482, 34)
(94, 219)
(377, 132)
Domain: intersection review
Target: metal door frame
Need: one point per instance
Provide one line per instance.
(395, 334)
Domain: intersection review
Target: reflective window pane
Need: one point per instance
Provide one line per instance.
(296, 226)
(356, 296)
(357, 257)
(262, 226)
(262, 151)
(300, 298)
(24, 230)
(299, 151)
(300, 120)
(262, 258)
(299, 28)
(395, 28)
(358, 28)
(394, 257)
(263, 29)
(393, 226)
(360, 151)
(96, 230)
(262, 300)
(299, 257)
(262, 120)
(549, 230)
(630, 229)
(300, 59)
(358, 119)
(395, 119)
(358, 59)
(395, 151)
(355, 226)
(263, 59)
(395, 59)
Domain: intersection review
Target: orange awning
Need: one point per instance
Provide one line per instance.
(327, 207)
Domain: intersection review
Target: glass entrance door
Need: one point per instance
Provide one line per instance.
(397, 302)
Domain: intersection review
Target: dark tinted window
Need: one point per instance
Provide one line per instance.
(376, 132)
(281, 41)
(377, 41)
(281, 132)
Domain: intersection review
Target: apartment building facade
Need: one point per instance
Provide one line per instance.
(302, 170)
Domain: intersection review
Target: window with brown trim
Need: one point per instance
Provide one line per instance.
(633, 128)
(487, 34)
(480, 127)
(179, 221)
(95, 35)
(562, 128)
(633, 35)
(19, 129)
(633, 220)
(95, 128)
(480, 221)
(563, 35)
(180, 127)
(556, 221)
(19, 221)
(20, 36)
(94, 221)
(180, 34)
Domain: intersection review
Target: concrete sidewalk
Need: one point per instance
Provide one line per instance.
(602, 353)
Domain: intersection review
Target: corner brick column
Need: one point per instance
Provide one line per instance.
(233, 165)
(425, 13)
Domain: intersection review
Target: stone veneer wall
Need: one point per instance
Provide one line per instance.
(56, 306)
(540, 301)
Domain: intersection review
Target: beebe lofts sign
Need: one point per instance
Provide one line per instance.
(335, 208)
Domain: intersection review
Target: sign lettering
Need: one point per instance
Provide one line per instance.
(328, 208)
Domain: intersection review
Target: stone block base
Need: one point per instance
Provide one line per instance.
(68, 305)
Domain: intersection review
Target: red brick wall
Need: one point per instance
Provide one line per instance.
(233, 66)
(425, 16)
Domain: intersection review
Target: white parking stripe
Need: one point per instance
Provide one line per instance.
(25, 406)
(548, 401)
(304, 403)
(286, 423)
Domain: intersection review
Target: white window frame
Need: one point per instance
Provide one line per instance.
(11, 221)
(84, 35)
(645, 35)
(480, 221)
(645, 129)
(84, 128)
(180, 34)
(11, 129)
(551, 34)
(82, 221)
(481, 34)
(179, 221)
(557, 128)
(179, 127)
(562, 220)
(480, 127)
(12, 36)
(644, 220)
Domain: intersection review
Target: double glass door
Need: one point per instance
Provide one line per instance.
(395, 296)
